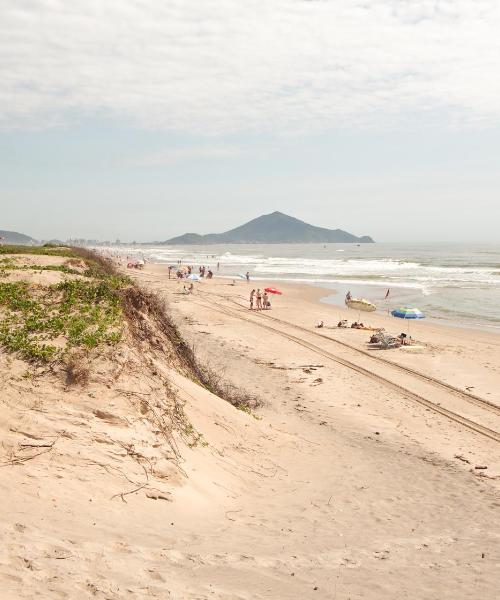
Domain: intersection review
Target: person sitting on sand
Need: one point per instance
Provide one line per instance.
(319, 324)
(252, 294)
(405, 340)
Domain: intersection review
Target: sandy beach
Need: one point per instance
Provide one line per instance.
(357, 478)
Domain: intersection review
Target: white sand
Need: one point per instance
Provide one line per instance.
(340, 487)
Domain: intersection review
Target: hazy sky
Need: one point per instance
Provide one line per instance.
(143, 119)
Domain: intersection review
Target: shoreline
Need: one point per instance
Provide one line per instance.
(460, 356)
(448, 287)
(339, 290)
(334, 292)
(454, 284)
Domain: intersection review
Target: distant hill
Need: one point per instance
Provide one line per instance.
(12, 237)
(275, 228)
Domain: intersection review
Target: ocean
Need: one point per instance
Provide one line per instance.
(454, 283)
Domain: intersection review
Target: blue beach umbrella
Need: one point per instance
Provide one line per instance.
(194, 277)
(408, 313)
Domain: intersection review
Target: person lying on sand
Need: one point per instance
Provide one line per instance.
(405, 339)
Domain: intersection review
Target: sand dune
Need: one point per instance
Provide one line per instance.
(338, 487)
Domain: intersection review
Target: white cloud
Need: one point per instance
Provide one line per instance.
(220, 66)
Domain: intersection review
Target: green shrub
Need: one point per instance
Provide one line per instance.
(83, 312)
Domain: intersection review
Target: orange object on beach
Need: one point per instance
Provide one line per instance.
(271, 290)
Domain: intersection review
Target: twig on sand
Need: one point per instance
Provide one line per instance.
(36, 445)
(122, 494)
(19, 460)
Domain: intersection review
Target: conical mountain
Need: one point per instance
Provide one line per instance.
(274, 228)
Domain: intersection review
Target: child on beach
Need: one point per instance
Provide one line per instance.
(252, 294)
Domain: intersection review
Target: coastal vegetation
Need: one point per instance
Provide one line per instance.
(45, 321)
(91, 308)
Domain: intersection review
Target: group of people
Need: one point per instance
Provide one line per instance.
(185, 272)
(135, 263)
(260, 299)
(343, 324)
(204, 272)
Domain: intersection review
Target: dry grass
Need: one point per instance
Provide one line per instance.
(222, 387)
(150, 323)
(77, 370)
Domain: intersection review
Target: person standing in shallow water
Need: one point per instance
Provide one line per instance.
(252, 294)
(247, 275)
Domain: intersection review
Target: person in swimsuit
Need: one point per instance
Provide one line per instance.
(252, 294)
(265, 301)
(259, 300)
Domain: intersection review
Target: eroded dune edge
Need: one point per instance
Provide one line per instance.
(156, 444)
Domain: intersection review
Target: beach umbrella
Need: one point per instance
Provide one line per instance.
(408, 313)
(361, 304)
(194, 277)
(271, 290)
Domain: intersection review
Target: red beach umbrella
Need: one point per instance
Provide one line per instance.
(271, 290)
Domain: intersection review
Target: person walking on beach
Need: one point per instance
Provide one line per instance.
(259, 300)
(247, 275)
(252, 294)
